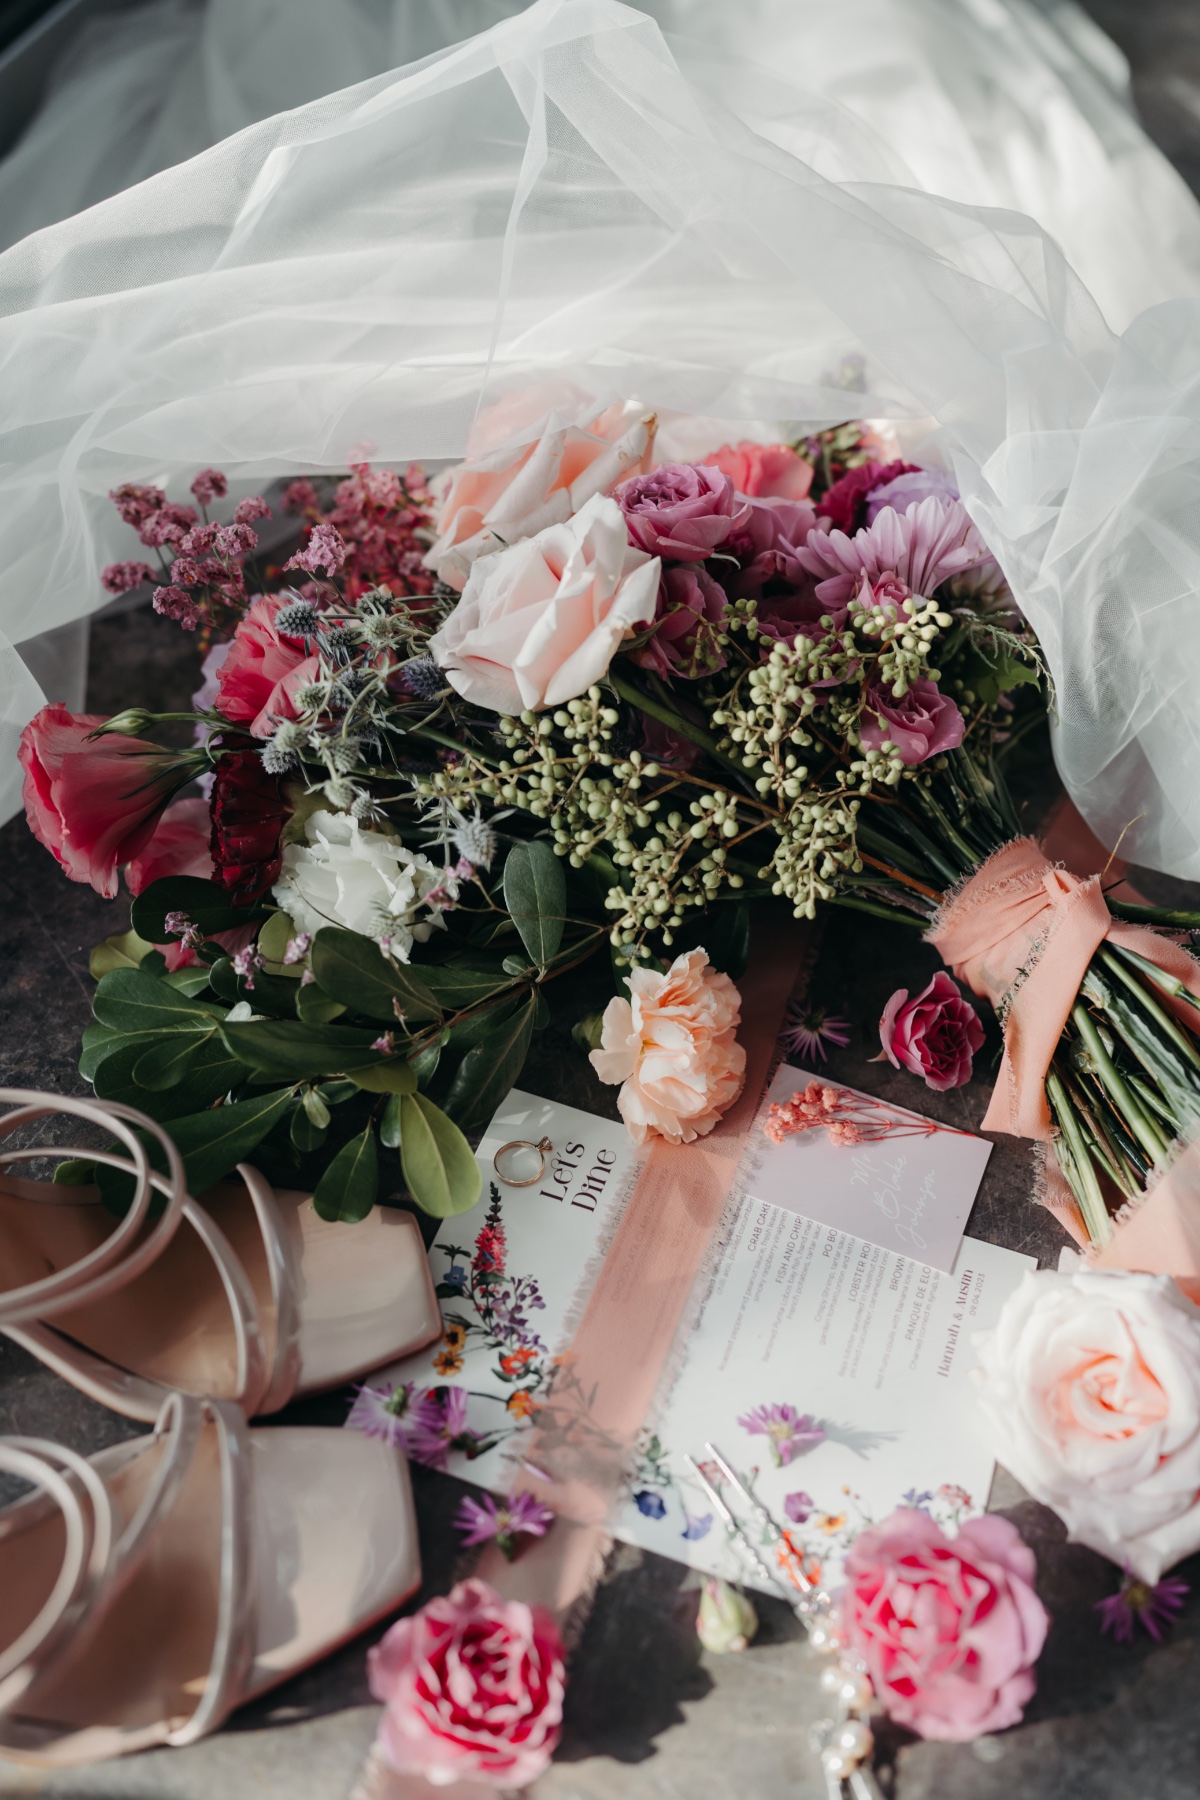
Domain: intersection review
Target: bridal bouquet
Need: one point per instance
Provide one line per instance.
(572, 696)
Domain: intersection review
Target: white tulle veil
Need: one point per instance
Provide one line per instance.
(565, 195)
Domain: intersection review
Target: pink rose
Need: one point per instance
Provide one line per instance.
(533, 460)
(682, 511)
(673, 1047)
(934, 1036)
(949, 1628)
(263, 670)
(691, 607)
(921, 723)
(764, 469)
(93, 804)
(539, 623)
(473, 1689)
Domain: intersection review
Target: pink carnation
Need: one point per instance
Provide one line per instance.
(472, 1687)
(934, 1036)
(764, 469)
(949, 1628)
(673, 1047)
(262, 671)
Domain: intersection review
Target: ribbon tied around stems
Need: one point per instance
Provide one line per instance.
(1022, 932)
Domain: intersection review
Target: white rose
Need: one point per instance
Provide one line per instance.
(364, 880)
(1091, 1387)
(539, 623)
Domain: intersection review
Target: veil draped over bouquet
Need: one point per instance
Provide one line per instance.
(566, 196)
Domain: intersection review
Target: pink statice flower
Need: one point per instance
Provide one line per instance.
(325, 551)
(253, 507)
(210, 485)
(1154, 1606)
(298, 947)
(807, 1030)
(176, 603)
(301, 496)
(122, 577)
(385, 1042)
(521, 1515)
(933, 541)
(788, 1433)
(245, 963)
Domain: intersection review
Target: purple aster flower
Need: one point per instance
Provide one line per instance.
(386, 1412)
(699, 1527)
(788, 1433)
(650, 1503)
(521, 1515)
(440, 1425)
(798, 1507)
(1156, 1606)
(807, 1030)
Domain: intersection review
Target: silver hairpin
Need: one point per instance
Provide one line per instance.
(845, 1742)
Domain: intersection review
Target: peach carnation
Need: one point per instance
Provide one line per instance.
(673, 1047)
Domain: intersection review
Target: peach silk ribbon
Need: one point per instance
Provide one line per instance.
(576, 1456)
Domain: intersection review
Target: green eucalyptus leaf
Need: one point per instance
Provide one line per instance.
(288, 1050)
(315, 1107)
(535, 893)
(518, 965)
(315, 1006)
(203, 902)
(355, 971)
(391, 1077)
(140, 1005)
(389, 1125)
(439, 1165)
(347, 1190)
(306, 1133)
(488, 1071)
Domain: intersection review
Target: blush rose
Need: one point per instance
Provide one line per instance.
(262, 670)
(472, 1688)
(1090, 1383)
(934, 1036)
(93, 802)
(768, 470)
(539, 623)
(673, 1047)
(949, 1628)
(920, 723)
(681, 511)
(533, 460)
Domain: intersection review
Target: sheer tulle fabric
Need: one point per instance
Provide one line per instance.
(565, 194)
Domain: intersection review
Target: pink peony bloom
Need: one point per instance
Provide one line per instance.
(764, 469)
(262, 670)
(472, 1688)
(533, 460)
(691, 608)
(539, 623)
(934, 1036)
(949, 1628)
(93, 804)
(682, 511)
(922, 548)
(673, 1047)
(921, 723)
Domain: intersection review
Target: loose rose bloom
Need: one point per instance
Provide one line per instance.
(533, 460)
(262, 670)
(682, 511)
(673, 1047)
(539, 623)
(472, 1687)
(934, 1036)
(949, 1628)
(921, 723)
(769, 470)
(94, 803)
(1091, 1386)
(365, 881)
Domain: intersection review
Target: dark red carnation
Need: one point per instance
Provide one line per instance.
(845, 502)
(248, 811)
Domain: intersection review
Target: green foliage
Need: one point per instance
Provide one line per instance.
(352, 969)
(347, 1190)
(491, 1067)
(535, 893)
(205, 904)
(439, 1166)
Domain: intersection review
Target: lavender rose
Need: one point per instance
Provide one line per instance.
(908, 489)
(921, 723)
(681, 511)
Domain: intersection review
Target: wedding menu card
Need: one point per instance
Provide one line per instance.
(828, 1368)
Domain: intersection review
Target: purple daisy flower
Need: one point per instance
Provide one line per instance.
(1155, 1605)
(807, 1030)
(386, 1412)
(439, 1426)
(788, 1433)
(521, 1515)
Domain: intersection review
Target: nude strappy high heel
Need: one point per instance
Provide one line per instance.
(155, 1587)
(247, 1296)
